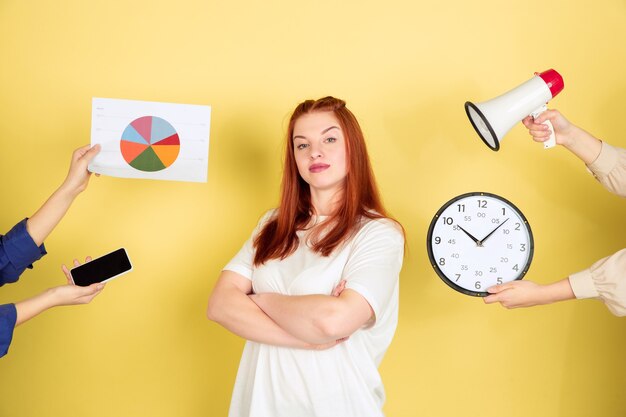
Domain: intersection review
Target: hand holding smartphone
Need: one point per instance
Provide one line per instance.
(102, 269)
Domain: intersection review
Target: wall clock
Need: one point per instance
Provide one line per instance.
(477, 240)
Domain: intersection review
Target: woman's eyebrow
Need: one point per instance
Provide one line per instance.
(321, 133)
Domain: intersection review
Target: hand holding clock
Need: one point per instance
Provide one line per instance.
(527, 293)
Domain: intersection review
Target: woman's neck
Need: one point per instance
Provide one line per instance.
(325, 202)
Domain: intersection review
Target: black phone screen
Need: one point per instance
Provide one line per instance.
(102, 268)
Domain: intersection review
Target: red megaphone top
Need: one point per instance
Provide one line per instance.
(553, 80)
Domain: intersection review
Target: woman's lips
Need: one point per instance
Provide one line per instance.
(318, 167)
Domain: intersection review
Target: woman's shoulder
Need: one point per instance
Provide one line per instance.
(265, 218)
(268, 215)
(380, 226)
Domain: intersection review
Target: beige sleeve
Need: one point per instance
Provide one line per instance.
(605, 280)
(610, 169)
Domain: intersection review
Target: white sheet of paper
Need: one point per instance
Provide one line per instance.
(145, 139)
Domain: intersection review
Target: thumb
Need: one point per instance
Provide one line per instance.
(91, 153)
(498, 288)
(92, 289)
(546, 115)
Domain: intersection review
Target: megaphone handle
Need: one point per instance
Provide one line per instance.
(551, 142)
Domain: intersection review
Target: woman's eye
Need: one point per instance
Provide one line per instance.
(301, 146)
(331, 140)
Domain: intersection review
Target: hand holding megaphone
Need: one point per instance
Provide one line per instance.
(551, 142)
(492, 119)
(557, 125)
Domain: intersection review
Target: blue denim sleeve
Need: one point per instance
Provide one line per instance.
(8, 316)
(18, 251)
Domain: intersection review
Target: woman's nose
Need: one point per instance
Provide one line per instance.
(315, 153)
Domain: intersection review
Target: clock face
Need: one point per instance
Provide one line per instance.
(477, 240)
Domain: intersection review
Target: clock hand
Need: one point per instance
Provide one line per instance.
(492, 232)
(478, 243)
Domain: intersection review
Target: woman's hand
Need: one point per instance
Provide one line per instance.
(541, 133)
(63, 295)
(527, 293)
(339, 288)
(73, 294)
(78, 175)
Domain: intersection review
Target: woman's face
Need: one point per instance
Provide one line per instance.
(320, 151)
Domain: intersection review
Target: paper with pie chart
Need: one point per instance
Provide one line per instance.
(153, 140)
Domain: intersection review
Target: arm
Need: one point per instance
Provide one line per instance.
(18, 251)
(581, 143)
(41, 224)
(527, 293)
(231, 307)
(605, 280)
(317, 318)
(63, 295)
(371, 274)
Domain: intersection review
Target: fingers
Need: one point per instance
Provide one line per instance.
(493, 298)
(78, 153)
(547, 115)
(339, 288)
(528, 121)
(86, 294)
(89, 154)
(95, 288)
(67, 274)
(500, 294)
(66, 271)
(86, 151)
(539, 131)
(77, 262)
(499, 288)
(505, 299)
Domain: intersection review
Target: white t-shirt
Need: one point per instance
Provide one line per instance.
(342, 381)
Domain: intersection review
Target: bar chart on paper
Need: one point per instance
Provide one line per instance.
(150, 140)
(150, 143)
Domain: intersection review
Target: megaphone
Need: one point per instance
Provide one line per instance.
(494, 118)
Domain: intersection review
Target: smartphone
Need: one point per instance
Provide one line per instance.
(102, 269)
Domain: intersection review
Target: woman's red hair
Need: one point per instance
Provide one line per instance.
(277, 238)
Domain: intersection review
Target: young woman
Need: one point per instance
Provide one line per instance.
(315, 288)
(23, 245)
(604, 280)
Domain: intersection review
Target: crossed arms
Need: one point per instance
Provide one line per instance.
(305, 322)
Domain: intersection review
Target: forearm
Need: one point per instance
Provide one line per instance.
(41, 224)
(236, 312)
(557, 291)
(307, 317)
(33, 306)
(583, 144)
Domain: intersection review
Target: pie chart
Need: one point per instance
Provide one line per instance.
(150, 144)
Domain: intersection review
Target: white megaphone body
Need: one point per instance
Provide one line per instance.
(494, 118)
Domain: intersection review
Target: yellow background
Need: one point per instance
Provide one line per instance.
(145, 348)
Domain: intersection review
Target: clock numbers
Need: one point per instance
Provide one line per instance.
(478, 240)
